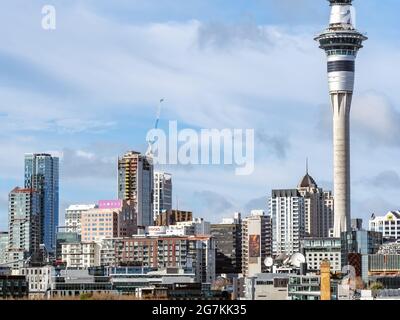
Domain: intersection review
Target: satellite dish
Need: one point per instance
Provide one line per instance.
(297, 259)
(269, 262)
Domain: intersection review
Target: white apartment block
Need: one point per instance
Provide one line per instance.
(286, 208)
(317, 250)
(256, 242)
(81, 255)
(39, 280)
(162, 197)
(388, 224)
(107, 252)
(73, 215)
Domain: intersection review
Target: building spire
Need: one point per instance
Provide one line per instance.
(307, 165)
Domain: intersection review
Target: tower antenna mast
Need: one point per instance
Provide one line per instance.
(149, 152)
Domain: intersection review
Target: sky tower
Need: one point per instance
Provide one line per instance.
(341, 42)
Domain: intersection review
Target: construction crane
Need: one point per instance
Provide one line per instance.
(25, 261)
(149, 152)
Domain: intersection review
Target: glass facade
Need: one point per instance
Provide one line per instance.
(42, 174)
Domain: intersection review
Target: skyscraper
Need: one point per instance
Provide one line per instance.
(135, 183)
(256, 242)
(341, 42)
(162, 193)
(41, 174)
(286, 208)
(23, 226)
(228, 244)
(318, 208)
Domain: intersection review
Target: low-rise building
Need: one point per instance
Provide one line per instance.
(188, 252)
(39, 280)
(267, 286)
(13, 287)
(388, 225)
(81, 255)
(305, 287)
(316, 250)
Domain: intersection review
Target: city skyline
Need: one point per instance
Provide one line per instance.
(78, 120)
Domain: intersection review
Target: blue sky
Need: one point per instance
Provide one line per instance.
(88, 91)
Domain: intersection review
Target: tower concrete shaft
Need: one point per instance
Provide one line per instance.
(341, 42)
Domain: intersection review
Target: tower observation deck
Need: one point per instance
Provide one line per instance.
(341, 42)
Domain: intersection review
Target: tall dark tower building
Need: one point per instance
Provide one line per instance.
(341, 42)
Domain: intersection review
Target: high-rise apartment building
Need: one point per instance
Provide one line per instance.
(228, 245)
(73, 216)
(24, 226)
(287, 210)
(256, 242)
(162, 193)
(135, 183)
(42, 175)
(110, 219)
(318, 208)
(3, 247)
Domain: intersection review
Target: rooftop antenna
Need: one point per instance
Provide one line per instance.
(149, 152)
(307, 165)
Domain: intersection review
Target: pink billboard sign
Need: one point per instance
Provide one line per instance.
(110, 204)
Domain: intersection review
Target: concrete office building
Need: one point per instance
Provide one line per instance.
(111, 219)
(267, 286)
(3, 247)
(388, 225)
(341, 42)
(228, 244)
(42, 175)
(73, 216)
(81, 255)
(318, 208)
(316, 250)
(135, 183)
(162, 200)
(195, 253)
(23, 227)
(256, 242)
(287, 210)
